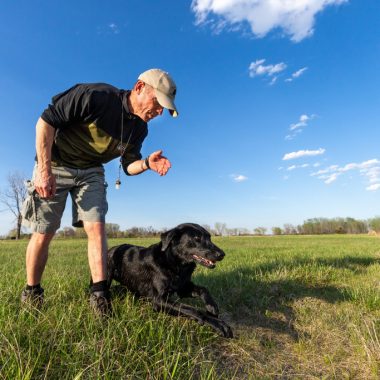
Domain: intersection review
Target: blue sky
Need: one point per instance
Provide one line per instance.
(279, 102)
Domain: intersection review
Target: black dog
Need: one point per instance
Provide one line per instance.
(165, 268)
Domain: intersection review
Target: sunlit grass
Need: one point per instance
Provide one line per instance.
(302, 307)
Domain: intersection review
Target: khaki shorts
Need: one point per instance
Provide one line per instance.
(88, 191)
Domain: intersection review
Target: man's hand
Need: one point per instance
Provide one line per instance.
(159, 163)
(44, 184)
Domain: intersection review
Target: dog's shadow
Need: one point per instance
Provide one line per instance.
(248, 298)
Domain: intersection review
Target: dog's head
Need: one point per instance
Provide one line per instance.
(190, 242)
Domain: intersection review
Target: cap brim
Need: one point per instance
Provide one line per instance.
(166, 102)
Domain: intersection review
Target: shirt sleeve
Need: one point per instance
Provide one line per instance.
(132, 152)
(77, 104)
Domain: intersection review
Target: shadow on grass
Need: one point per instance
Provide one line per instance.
(251, 298)
(353, 263)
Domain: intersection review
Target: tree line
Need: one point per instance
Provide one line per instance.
(12, 199)
(318, 226)
(314, 226)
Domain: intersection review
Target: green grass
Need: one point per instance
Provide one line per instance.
(302, 307)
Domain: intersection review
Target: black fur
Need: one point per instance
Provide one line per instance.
(165, 268)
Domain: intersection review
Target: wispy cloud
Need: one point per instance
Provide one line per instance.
(298, 127)
(303, 153)
(369, 169)
(271, 71)
(374, 187)
(238, 177)
(296, 74)
(108, 29)
(114, 28)
(295, 18)
(258, 68)
(293, 167)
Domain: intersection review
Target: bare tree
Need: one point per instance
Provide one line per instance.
(289, 229)
(13, 198)
(220, 228)
(260, 231)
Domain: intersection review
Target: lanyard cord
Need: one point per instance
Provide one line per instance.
(122, 148)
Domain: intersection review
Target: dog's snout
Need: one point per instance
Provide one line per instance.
(219, 254)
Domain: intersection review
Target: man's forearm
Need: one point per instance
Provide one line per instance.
(137, 167)
(44, 142)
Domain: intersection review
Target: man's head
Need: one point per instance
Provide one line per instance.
(153, 91)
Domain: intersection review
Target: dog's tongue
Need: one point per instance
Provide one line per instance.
(202, 260)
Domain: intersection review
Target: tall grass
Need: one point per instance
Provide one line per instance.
(301, 307)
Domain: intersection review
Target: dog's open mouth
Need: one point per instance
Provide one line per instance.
(207, 263)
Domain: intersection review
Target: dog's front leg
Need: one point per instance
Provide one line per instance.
(177, 309)
(190, 312)
(195, 291)
(205, 296)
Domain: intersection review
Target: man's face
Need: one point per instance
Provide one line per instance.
(147, 106)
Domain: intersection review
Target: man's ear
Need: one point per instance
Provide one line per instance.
(167, 237)
(139, 86)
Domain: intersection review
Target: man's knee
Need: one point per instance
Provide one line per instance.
(94, 229)
(41, 239)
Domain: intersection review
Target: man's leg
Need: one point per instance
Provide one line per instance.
(36, 258)
(43, 217)
(97, 250)
(97, 258)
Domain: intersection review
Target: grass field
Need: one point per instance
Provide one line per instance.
(302, 307)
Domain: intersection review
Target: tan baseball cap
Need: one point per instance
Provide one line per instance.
(164, 87)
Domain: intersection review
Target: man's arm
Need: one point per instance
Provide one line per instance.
(157, 163)
(44, 181)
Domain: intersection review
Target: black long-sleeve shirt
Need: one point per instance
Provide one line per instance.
(87, 119)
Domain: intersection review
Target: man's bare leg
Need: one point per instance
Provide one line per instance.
(97, 250)
(97, 259)
(36, 258)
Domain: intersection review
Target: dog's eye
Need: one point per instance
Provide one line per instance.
(197, 238)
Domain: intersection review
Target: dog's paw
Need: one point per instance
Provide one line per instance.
(220, 326)
(212, 309)
(226, 330)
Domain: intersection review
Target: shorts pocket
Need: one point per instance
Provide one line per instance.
(29, 206)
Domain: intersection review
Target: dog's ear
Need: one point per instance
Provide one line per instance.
(167, 237)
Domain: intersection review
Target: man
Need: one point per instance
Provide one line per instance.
(85, 127)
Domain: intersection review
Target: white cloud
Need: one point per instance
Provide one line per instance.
(273, 81)
(293, 167)
(331, 178)
(239, 177)
(297, 74)
(369, 169)
(258, 68)
(296, 18)
(298, 127)
(303, 153)
(108, 29)
(373, 187)
(114, 28)
(373, 174)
